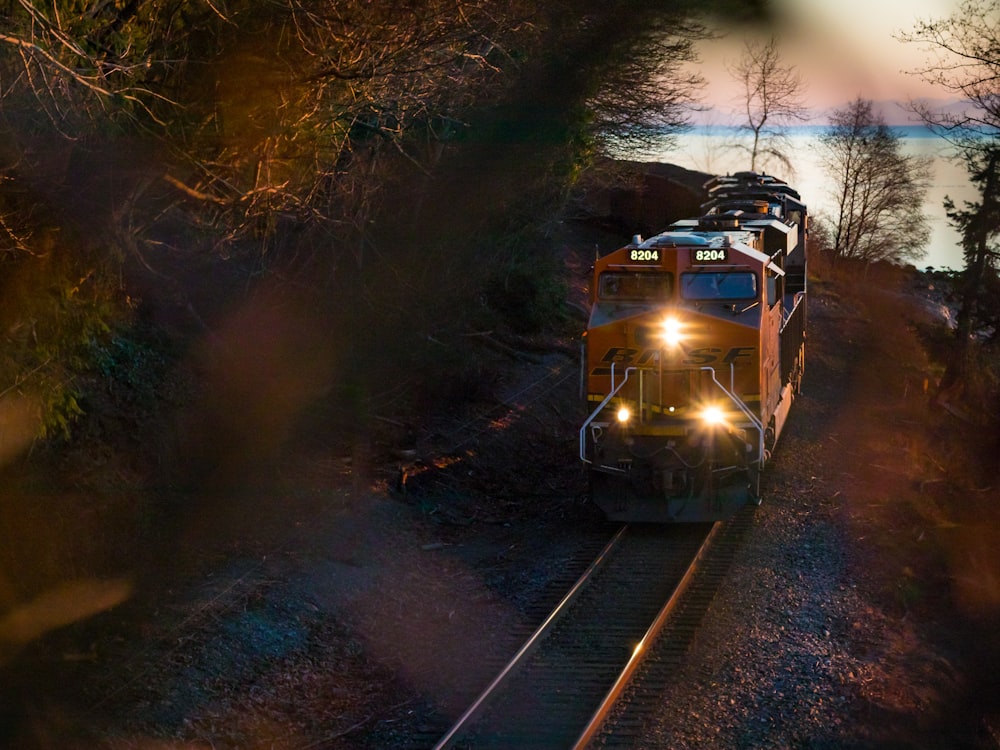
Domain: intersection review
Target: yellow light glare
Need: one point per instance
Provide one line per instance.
(671, 332)
(713, 415)
(624, 415)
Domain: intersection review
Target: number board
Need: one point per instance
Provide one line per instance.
(644, 255)
(710, 255)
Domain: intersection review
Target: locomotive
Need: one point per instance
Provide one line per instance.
(693, 354)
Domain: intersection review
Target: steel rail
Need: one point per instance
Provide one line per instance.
(642, 647)
(474, 711)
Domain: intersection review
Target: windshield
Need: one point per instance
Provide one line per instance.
(631, 285)
(722, 285)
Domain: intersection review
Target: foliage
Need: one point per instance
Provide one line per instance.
(878, 190)
(978, 283)
(130, 365)
(53, 313)
(645, 92)
(525, 288)
(258, 111)
(964, 51)
(361, 152)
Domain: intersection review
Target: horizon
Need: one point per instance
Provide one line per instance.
(709, 149)
(893, 112)
(914, 130)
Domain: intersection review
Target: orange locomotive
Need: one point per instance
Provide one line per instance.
(693, 355)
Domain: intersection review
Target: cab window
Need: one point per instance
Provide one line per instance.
(624, 285)
(719, 285)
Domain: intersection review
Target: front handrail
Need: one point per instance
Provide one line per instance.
(607, 399)
(730, 393)
(742, 406)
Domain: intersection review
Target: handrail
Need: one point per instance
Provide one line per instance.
(611, 394)
(730, 394)
(787, 316)
(742, 406)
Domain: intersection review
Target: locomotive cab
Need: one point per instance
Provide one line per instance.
(683, 368)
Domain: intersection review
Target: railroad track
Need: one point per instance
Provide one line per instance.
(562, 687)
(650, 686)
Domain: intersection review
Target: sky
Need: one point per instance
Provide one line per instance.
(843, 49)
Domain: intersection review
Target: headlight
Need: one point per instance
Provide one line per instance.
(624, 414)
(672, 332)
(713, 416)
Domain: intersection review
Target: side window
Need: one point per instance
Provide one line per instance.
(774, 289)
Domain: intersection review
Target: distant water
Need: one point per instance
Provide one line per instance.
(709, 149)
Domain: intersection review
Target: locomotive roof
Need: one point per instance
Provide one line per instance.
(733, 239)
(779, 188)
(745, 221)
(747, 180)
(690, 235)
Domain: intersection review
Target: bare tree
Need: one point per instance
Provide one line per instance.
(878, 190)
(964, 60)
(256, 130)
(313, 136)
(272, 112)
(772, 99)
(645, 93)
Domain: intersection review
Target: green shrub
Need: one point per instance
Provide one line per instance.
(525, 288)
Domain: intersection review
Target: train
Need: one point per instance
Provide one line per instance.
(693, 354)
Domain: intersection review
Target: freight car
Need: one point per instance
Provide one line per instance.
(693, 355)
